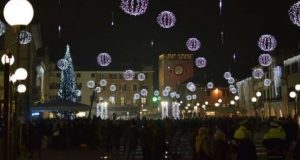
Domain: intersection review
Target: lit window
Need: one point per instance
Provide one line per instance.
(144, 100)
(122, 101)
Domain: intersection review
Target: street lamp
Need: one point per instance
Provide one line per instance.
(293, 95)
(220, 100)
(236, 98)
(206, 102)
(254, 100)
(232, 102)
(16, 13)
(21, 88)
(258, 94)
(297, 87)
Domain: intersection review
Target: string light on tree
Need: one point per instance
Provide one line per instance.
(128, 75)
(200, 62)
(193, 44)
(2, 28)
(257, 73)
(265, 59)
(134, 7)
(166, 19)
(267, 43)
(267, 82)
(227, 75)
(210, 85)
(144, 92)
(104, 59)
(103, 82)
(25, 37)
(112, 88)
(294, 13)
(62, 64)
(141, 76)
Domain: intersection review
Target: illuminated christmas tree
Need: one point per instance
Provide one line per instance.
(67, 87)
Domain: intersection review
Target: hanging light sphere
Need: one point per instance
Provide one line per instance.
(128, 75)
(111, 99)
(233, 90)
(193, 44)
(267, 43)
(136, 96)
(200, 62)
(265, 59)
(62, 64)
(112, 88)
(267, 82)
(191, 86)
(90, 84)
(144, 92)
(227, 75)
(168, 88)
(210, 85)
(194, 96)
(25, 37)
(134, 7)
(294, 13)
(2, 28)
(98, 89)
(103, 59)
(166, 19)
(156, 93)
(231, 86)
(18, 12)
(6, 59)
(257, 73)
(165, 93)
(177, 95)
(173, 94)
(141, 76)
(231, 80)
(78, 93)
(103, 82)
(189, 97)
(21, 74)
(21, 88)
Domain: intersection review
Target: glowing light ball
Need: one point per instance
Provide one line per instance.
(257, 73)
(231, 80)
(172, 94)
(233, 90)
(200, 62)
(231, 86)
(177, 95)
(210, 85)
(265, 59)
(189, 97)
(294, 13)
(267, 43)
(166, 19)
(2, 28)
(78, 93)
(165, 93)
(103, 82)
(227, 75)
(267, 82)
(98, 89)
(144, 92)
(128, 75)
(136, 96)
(158, 98)
(103, 59)
(141, 76)
(194, 96)
(112, 88)
(111, 99)
(156, 93)
(193, 44)
(25, 37)
(90, 84)
(62, 64)
(191, 86)
(168, 88)
(134, 7)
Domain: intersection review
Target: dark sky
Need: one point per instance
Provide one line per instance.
(86, 27)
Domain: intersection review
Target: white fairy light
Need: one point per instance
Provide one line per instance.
(156, 93)
(62, 64)
(194, 96)
(103, 82)
(267, 43)
(210, 85)
(189, 97)
(267, 82)
(168, 88)
(112, 99)
(257, 73)
(294, 13)
(265, 59)
(172, 94)
(25, 37)
(231, 80)
(98, 89)
(113, 88)
(141, 76)
(227, 75)
(103, 59)
(2, 28)
(136, 96)
(166, 19)
(144, 92)
(128, 75)
(191, 86)
(165, 93)
(90, 84)
(193, 44)
(200, 62)
(134, 7)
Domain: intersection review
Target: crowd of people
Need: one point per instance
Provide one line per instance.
(210, 138)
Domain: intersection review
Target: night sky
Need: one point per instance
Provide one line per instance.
(86, 26)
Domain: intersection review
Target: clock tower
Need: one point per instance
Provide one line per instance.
(175, 69)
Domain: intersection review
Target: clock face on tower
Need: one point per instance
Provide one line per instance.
(178, 70)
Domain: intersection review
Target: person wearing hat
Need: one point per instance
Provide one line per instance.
(245, 148)
(274, 139)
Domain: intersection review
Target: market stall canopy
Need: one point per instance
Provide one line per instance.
(60, 105)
